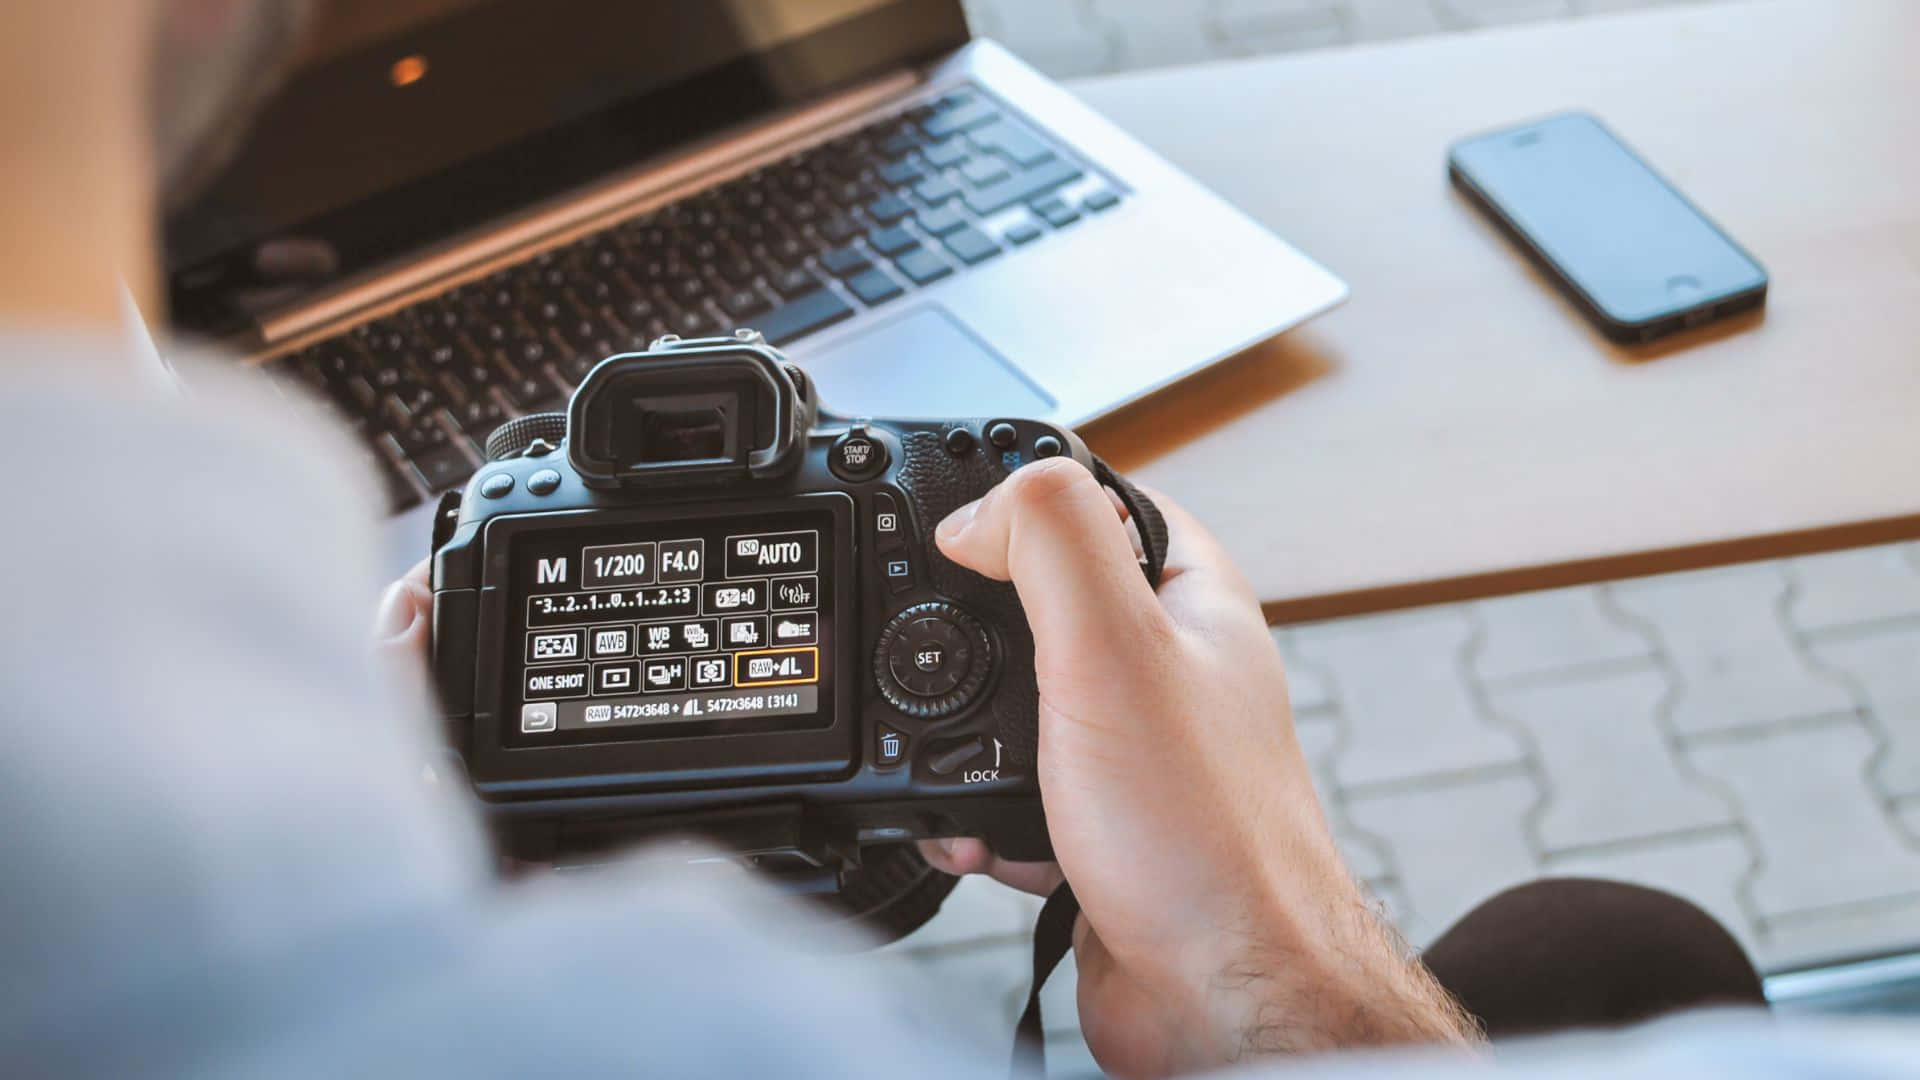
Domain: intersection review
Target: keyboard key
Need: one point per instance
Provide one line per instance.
(802, 315)
(1020, 187)
(1013, 141)
(1026, 232)
(399, 492)
(897, 145)
(970, 245)
(1101, 200)
(922, 266)
(1056, 211)
(839, 230)
(897, 173)
(935, 190)
(442, 468)
(874, 287)
(941, 220)
(983, 170)
(843, 261)
(744, 303)
(946, 153)
(888, 209)
(962, 117)
(793, 282)
(892, 240)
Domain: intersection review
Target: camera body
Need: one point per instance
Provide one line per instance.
(702, 605)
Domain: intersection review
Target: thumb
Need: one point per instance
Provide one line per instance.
(404, 618)
(1052, 531)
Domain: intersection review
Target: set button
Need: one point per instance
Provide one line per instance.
(932, 660)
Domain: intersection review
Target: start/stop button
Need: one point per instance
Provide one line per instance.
(857, 455)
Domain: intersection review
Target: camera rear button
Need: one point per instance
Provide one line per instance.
(497, 485)
(544, 482)
(856, 455)
(888, 530)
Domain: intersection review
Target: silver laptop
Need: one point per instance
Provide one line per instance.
(452, 208)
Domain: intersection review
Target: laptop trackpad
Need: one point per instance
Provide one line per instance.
(924, 363)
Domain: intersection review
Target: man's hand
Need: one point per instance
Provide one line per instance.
(403, 625)
(1218, 921)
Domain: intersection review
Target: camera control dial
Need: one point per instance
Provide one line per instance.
(932, 660)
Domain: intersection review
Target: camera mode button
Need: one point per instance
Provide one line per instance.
(857, 455)
(497, 485)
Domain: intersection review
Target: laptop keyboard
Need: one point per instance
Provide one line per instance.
(856, 222)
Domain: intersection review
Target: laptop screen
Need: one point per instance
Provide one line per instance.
(404, 123)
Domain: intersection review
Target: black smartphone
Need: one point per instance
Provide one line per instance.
(1621, 242)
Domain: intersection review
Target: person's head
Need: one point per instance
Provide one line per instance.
(109, 111)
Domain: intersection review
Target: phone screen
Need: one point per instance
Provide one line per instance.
(1619, 235)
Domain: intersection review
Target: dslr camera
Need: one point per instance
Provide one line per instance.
(696, 603)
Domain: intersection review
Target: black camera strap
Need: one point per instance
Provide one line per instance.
(1053, 930)
(1052, 937)
(1147, 519)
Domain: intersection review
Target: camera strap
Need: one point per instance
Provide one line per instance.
(1147, 519)
(1052, 937)
(1053, 930)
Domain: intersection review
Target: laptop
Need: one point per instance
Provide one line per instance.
(451, 209)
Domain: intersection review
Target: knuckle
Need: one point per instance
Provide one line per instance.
(1049, 486)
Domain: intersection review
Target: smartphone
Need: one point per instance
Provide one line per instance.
(1637, 257)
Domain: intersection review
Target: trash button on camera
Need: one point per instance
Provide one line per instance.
(857, 455)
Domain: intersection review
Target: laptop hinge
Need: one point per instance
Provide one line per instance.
(566, 217)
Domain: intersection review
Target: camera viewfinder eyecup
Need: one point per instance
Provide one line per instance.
(699, 412)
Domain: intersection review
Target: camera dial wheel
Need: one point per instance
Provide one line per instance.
(512, 438)
(933, 660)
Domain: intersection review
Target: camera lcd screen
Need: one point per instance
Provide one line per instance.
(711, 626)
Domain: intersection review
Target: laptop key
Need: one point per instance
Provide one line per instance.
(984, 170)
(935, 190)
(941, 220)
(946, 153)
(1010, 139)
(743, 303)
(839, 230)
(791, 282)
(963, 117)
(801, 316)
(892, 240)
(442, 467)
(1056, 211)
(897, 145)
(1025, 232)
(898, 173)
(922, 266)
(1103, 199)
(874, 287)
(970, 245)
(1020, 187)
(888, 209)
(843, 261)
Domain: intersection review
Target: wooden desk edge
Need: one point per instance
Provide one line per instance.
(1590, 571)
